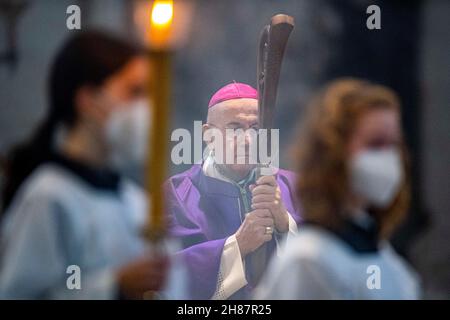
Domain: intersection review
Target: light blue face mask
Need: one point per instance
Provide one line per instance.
(126, 134)
(376, 175)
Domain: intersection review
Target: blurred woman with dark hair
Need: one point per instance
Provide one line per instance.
(67, 203)
(354, 188)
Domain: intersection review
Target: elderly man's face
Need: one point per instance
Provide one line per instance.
(235, 114)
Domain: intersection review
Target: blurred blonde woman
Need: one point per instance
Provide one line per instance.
(354, 188)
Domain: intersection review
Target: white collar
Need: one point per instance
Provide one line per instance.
(210, 170)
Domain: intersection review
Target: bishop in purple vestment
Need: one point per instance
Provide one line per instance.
(230, 221)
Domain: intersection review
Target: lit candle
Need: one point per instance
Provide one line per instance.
(160, 33)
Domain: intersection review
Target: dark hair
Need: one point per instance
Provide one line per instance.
(87, 58)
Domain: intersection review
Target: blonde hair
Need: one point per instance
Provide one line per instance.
(323, 184)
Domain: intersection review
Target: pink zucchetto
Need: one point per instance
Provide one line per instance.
(232, 91)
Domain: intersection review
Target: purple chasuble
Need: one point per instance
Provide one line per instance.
(203, 212)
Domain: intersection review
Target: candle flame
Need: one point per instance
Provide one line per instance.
(162, 13)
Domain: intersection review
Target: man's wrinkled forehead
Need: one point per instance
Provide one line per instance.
(245, 109)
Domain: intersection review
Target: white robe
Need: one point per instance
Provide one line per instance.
(57, 220)
(318, 265)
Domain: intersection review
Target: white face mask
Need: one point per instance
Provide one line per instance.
(127, 133)
(376, 175)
